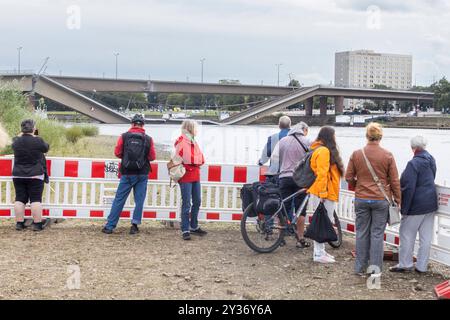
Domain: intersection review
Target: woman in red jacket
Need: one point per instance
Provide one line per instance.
(187, 148)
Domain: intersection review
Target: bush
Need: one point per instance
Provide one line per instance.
(90, 131)
(73, 134)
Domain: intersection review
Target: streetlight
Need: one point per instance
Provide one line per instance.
(18, 53)
(278, 67)
(202, 62)
(117, 55)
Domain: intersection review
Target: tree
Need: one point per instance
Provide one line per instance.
(441, 90)
(294, 83)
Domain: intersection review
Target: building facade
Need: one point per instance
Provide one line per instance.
(366, 69)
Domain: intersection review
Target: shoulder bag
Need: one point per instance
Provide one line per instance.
(394, 210)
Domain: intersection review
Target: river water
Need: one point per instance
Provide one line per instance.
(243, 144)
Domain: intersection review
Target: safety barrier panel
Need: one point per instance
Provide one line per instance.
(85, 188)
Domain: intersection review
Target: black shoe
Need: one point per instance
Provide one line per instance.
(20, 226)
(134, 229)
(37, 226)
(186, 236)
(419, 272)
(199, 232)
(107, 231)
(398, 269)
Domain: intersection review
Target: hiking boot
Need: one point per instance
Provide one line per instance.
(20, 226)
(199, 232)
(186, 236)
(134, 229)
(107, 231)
(37, 226)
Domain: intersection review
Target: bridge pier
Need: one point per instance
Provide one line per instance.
(309, 103)
(323, 106)
(338, 105)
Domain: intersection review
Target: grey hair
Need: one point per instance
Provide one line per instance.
(284, 122)
(419, 142)
(302, 126)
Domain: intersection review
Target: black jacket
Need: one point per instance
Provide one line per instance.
(419, 194)
(28, 156)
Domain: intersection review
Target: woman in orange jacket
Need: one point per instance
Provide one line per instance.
(327, 165)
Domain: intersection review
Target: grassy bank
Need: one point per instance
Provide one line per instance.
(100, 147)
(15, 107)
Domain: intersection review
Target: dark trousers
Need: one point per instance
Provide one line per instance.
(287, 188)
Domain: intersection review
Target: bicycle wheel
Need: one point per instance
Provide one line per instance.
(338, 229)
(262, 234)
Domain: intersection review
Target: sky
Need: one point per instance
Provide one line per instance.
(239, 39)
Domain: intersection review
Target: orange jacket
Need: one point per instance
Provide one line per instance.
(327, 183)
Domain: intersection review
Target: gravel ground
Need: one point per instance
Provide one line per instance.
(157, 264)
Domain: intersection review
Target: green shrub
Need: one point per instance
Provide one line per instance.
(90, 131)
(73, 134)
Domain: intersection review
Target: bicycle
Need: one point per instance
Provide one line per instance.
(269, 231)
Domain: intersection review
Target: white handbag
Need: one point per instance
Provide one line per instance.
(176, 169)
(394, 210)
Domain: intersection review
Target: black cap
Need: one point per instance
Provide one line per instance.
(138, 118)
(27, 126)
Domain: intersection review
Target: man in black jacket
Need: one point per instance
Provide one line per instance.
(29, 174)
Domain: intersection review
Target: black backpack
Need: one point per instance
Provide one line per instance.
(303, 175)
(135, 149)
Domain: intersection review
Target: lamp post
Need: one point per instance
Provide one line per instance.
(202, 61)
(278, 68)
(117, 63)
(18, 54)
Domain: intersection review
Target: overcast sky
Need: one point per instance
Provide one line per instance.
(240, 39)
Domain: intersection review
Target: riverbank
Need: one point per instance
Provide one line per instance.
(158, 264)
(101, 147)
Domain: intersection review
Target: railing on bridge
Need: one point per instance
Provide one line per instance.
(84, 188)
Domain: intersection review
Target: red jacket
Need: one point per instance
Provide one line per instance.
(192, 158)
(119, 147)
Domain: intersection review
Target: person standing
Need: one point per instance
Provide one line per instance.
(284, 123)
(187, 148)
(326, 163)
(292, 149)
(29, 174)
(136, 149)
(371, 206)
(419, 203)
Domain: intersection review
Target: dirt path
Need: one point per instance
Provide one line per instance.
(157, 264)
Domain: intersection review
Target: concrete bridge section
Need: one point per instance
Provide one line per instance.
(68, 97)
(307, 95)
(65, 91)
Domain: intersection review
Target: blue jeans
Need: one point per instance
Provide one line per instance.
(190, 191)
(139, 185)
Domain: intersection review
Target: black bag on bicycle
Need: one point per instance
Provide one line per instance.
(267, 198)
(321, 229)
(247, 198)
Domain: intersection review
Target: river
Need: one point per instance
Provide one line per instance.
(243, 144)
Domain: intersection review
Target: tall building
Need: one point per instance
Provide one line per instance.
(366, 68)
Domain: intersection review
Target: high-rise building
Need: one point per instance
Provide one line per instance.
(366, 68)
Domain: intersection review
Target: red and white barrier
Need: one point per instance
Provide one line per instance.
(84, 188)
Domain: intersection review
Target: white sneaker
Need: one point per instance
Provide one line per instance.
(323, 259)
(329, 256)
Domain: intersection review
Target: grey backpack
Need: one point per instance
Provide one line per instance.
(303, 175)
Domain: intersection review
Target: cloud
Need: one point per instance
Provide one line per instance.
(241, 39)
